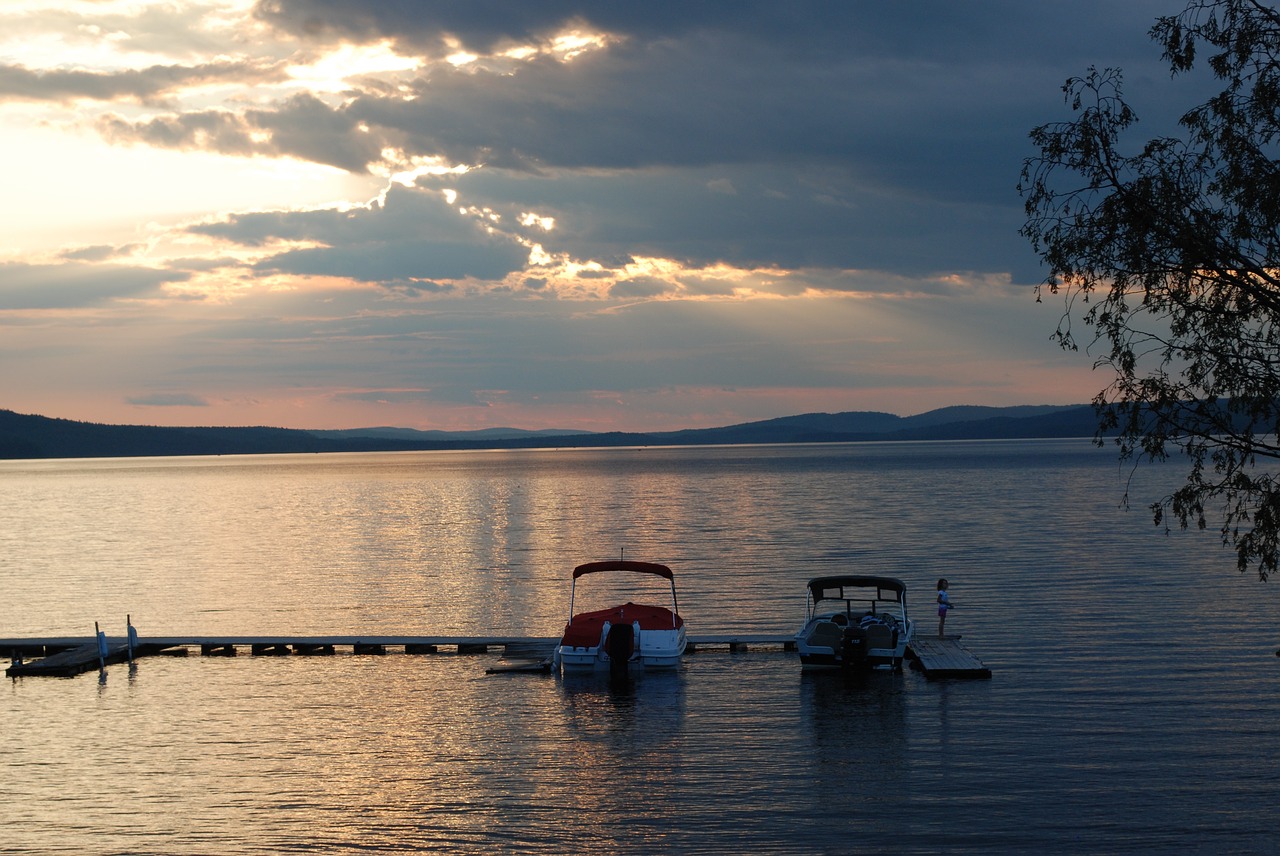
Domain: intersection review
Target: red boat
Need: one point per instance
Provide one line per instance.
(630, 635)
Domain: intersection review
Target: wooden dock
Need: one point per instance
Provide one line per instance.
(73, 655)
(66, 662)
(944, 657)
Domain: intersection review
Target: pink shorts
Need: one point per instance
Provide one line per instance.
(942, 612)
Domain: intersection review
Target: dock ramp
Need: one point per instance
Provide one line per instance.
(945, 657)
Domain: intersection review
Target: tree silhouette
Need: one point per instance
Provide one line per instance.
(1169, 256)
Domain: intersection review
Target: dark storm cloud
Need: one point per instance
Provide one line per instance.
(853, 135)
(937, 28)
(909, 94)
(813, 134)
(815, 216)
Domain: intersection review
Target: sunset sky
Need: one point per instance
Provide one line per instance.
(552, 214)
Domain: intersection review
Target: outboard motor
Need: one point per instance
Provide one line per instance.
(853, 648)
(619, 644)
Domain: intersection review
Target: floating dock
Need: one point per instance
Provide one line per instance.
(944, 657)
(73, 655)
(66, 662)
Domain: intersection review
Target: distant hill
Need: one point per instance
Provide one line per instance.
(26, 436)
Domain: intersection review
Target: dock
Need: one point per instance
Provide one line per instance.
(73, 655)
(944, 657)
(66, 662)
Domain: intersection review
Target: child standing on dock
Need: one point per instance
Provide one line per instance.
(944, 605)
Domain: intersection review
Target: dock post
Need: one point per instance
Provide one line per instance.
(102, 647)
(132, 636)
(217, 649)
(419, 648)
(310, 649)
(269, 649)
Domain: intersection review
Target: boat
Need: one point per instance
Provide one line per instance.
(627, 636)
(855, 623)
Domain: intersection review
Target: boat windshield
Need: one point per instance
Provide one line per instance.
(859, 595)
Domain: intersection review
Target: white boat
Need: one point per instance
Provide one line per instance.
(856, 623)
(628, 636)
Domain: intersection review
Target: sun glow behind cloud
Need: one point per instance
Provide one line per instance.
(73, 190)
(564, 46)
(370, 203)
(570, 45)
(95, 34)
(334, 71)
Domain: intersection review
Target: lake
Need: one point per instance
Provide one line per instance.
(1133, 707)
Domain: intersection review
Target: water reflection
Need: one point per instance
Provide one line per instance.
(1154, 747)
(635, 712)
(858, 729)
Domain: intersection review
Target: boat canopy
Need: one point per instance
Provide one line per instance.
(622, 565)
(833, 588)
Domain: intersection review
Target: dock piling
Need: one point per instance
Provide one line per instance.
(420, 648)
(217, 649)
(102, 647)
(269, 649)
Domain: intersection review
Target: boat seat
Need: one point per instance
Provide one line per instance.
(826, 633)
(879, 636)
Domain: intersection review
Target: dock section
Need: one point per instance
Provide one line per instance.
(67, 656)
(72, 655)
(944, 657)
(66, 662)
(741, 642)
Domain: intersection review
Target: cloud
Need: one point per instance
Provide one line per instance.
(147, 85)
(411, 235)
(67, 286)
(890, 141)
(301, 127)
(99, 253)
(787, 216)
(167, 399)
(631, 213)
(181, 30)
(824, 28)
(384, 396)
(627, 289)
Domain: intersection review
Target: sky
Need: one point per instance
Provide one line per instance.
(498, 213)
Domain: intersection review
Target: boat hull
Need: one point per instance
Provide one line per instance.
(664, 652)
(847, 649)
(631, 636)
(817, 660)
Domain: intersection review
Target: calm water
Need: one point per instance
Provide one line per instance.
(1134, 704)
